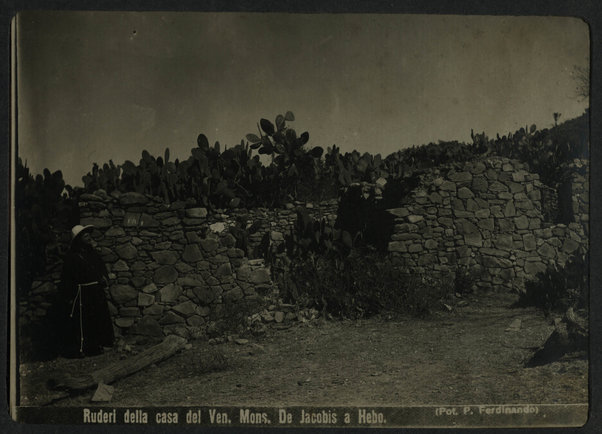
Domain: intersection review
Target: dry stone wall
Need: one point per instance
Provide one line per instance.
(176, 267)
(172, 274)
(484, 217)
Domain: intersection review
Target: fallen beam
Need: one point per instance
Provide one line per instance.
(122, 368)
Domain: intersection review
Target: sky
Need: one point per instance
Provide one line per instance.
(95, 86)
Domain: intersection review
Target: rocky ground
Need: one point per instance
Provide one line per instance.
(471, 354)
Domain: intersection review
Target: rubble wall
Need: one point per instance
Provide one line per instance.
(485, 218)
(177, 268)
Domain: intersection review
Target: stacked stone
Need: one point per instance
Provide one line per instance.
(173, 274)
(146, 244)
(484, 215)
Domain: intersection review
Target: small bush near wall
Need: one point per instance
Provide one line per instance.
(559, 288)
(360, 285)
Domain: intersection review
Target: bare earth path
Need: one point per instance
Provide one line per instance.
(463, 357)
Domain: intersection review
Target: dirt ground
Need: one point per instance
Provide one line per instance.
(466, 356)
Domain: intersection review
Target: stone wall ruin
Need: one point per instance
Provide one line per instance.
(486, 217)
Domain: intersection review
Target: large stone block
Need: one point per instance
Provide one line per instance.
(170, 221)
(486, 224)
(139, 266)
(147, 221)
(165, 257)
(495, 262)
(448, 186)
(463, 214)
(131, 219)
(477, 168)
(509, 209)
(472, 205)
(460, 177)
(431, 244)
(209, 244)
(480, 184)
(197, 213)
(533, 268)
(165, 274)
(524, 204)
(115, 231)
(414, 218)
(504, 241)
(150, 288)
(482, 213)
(123, 293)
(570, 245)
(205, 294)
(195, 321)
(494, 252)
(154, 309)
(415, 248)
(170, 293)
(132, 198)
(465, 193)
(473, 239)
(186, 308)
(458, 205)
(124, 323)
(435, 198)
(145, 299)
(192, 253)
(120, 265)
(547, 251)
(466, 227)
(190, 281)
(193, 237)
(515, 187)
(126, 251)
(397, 246)
(405, 237)
(497, 187)
(521, 222)
(427, 259)
(171, 318)
(446, 221)
(217, 227)
(223, 270)
(129, 311)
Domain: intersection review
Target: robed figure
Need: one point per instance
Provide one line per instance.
(87, 326)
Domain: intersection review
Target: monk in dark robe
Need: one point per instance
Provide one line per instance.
(88, 326)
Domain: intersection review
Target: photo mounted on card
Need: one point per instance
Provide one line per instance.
(300, 220)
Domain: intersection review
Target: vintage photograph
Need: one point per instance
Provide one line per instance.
(305, 220)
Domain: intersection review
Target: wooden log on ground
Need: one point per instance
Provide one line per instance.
(122, 368)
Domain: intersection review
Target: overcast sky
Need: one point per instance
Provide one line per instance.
(95, 86)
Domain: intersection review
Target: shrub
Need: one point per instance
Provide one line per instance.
(232, 316)
(359, 285)
(44, 206)
(464, 280)
(559, 288)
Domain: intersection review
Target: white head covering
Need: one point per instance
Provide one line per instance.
(78, 229)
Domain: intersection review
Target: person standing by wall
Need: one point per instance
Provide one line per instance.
(88, 326)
